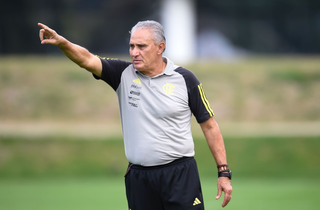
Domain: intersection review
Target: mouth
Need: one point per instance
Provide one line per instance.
(137, 61)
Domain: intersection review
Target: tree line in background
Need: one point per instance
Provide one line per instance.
(102, 26)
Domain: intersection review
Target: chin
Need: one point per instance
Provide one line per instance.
(138, 67)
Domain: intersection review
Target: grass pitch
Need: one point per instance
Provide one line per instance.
(269, 173)
(109, 193)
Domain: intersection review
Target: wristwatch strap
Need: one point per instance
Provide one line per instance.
(226, 173)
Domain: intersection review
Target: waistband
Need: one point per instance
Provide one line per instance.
(177, 161)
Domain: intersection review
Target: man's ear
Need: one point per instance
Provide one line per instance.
(161, 47)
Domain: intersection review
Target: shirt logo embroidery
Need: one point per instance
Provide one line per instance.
(168, 88)
(137, 81)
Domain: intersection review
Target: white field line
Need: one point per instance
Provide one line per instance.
(105, 130)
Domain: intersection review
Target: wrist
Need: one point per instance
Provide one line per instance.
(62, 42)
(224, 171)
(223, 167)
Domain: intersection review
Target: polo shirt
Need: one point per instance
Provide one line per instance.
(156, 111)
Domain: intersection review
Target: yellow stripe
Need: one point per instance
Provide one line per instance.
(196, 201)
(204, 100)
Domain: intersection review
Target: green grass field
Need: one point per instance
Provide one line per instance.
(109, 193)
(52, 173)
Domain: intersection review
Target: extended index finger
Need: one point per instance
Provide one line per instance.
(45, 29)
(41, 32)
(43, 26)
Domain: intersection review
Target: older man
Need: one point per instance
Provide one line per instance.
(156, 100)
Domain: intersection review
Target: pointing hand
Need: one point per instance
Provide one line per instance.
(48, 36)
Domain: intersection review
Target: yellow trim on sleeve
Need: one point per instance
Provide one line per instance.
(205, 100)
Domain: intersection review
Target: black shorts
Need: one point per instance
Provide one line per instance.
(174, 186)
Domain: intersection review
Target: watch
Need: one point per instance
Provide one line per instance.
(226, 173)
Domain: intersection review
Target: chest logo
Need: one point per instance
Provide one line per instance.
(137, 81)
(168, 88)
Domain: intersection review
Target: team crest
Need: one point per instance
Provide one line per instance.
(168, 88)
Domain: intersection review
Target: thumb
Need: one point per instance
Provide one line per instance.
(219, 193)
(52, 41)
(47, 41)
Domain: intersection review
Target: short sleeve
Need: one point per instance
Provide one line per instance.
(198, 102)
(112, 70)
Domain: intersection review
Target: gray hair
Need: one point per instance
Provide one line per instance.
(155, 27)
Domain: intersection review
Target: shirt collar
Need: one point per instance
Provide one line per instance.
(169, 70)
(170, 67)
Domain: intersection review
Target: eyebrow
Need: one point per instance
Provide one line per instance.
(139, 45)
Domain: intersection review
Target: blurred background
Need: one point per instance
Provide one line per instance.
(60, 133)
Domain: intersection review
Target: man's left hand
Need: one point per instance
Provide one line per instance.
(224, 185)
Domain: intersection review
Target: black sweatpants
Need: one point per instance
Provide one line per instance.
(174, 186)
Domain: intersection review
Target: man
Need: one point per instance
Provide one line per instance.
(156, 100)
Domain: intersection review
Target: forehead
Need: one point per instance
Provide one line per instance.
(141, 35)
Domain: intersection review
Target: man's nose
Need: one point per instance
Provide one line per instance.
(135, 52)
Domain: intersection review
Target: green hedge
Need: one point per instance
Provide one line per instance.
(247, 157)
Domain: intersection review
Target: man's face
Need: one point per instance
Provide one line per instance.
(143, 50)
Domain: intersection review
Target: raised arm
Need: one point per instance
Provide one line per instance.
(215, 141)
(76, 53)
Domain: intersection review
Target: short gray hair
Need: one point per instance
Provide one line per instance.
(154, 26)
